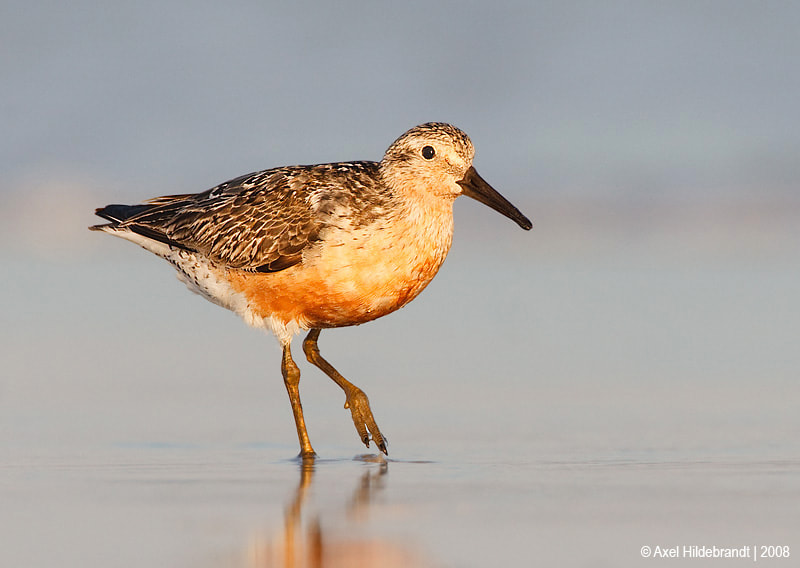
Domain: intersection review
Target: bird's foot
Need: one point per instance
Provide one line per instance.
(364, 421)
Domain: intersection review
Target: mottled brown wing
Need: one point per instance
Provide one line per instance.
(260, 222)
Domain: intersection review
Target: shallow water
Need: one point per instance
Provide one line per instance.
(178, 506)
(567, 413)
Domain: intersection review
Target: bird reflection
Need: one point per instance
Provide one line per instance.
(309, 545)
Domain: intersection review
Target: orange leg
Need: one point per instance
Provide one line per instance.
(291, 378)
(356, 400)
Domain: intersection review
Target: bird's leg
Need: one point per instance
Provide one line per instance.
(291, 378)
(356, 400)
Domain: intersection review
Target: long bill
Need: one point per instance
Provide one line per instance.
(476, 187)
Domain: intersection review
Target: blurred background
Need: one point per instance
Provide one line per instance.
(618, 114)
(651, 314)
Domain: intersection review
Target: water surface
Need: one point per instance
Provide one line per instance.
(560, 412)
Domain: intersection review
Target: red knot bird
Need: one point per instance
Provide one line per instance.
(320, 246)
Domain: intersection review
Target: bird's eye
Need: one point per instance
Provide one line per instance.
(428, 152)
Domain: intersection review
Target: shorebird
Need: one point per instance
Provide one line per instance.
(318, 246)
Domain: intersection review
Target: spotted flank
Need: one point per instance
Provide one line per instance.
(319, 246)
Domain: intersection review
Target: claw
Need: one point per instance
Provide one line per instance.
(382, 447)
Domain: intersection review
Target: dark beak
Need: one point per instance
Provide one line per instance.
(475, 187)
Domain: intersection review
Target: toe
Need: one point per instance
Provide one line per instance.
(381, 444)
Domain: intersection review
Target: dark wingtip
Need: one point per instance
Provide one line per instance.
(101, 212)
(118, 213)
(105, 214)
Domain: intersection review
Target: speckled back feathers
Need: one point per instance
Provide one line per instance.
(264, 221)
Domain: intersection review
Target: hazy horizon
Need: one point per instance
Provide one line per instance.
(572, 104)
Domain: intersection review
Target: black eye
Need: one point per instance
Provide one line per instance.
(428, 152)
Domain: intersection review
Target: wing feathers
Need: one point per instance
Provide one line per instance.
(262, 221)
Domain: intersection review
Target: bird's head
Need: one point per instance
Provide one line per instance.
(435, 158)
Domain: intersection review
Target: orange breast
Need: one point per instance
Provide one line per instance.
(346, 281)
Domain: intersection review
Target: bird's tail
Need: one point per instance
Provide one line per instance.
(117, 214)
